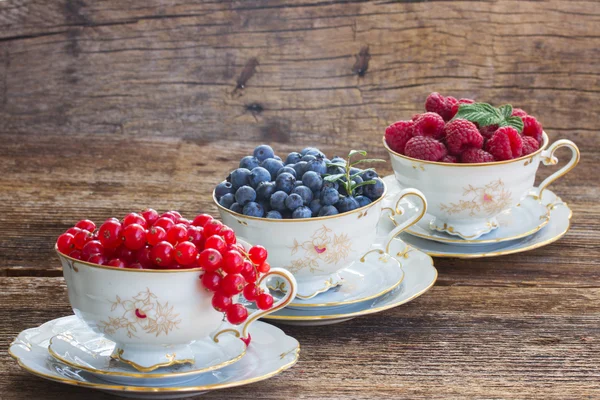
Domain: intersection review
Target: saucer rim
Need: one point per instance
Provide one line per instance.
(93, 371)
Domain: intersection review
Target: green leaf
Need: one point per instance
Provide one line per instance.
(515, 122)
(361, 171)
(482, 113)
(365, 183)
(353, 152)
(506, 110)
(366, 160)
(333, 178)
(336, 165)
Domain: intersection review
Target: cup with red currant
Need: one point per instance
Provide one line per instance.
(201, 257)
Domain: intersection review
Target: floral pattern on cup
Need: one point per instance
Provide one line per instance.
(491, 198)
(325, 246)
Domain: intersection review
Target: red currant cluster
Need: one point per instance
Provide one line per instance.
(169, 241)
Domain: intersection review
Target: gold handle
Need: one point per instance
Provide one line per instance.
(547, 157)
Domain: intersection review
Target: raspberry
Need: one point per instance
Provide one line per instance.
(531, 127)
(462, 134)
(455, 107)
(530, 145)
(450, 103)
(397, 134)
(449, 159)
(429, 124)
(425, 148)
(517, 112)
(436, 103)
(506, 144)
(488, 131)
(474, 155)
(415, 117)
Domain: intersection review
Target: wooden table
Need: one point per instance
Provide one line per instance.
(107, 107)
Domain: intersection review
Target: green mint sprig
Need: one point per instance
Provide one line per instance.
(485, 114)
(345, 178)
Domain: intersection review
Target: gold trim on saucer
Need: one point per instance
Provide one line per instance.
(118, 355)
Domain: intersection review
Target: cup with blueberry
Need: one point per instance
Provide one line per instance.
(315, 215)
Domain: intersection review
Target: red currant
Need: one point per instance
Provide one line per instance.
(171, 216)
(126, 254)
(73, 231)
(112, 219)
(162, 254)
(215, 242)
(220, 302)
(134, 236)
(251, 292)
(210, 259)
(65, 243)
(97, 259)
(229, 235)
(81, 238)
(175, 213)
(258, 254)
(185, 253)
(150, 216)
(109, 234)
(201, 219)
(196, 236)
(92, 247)
(232, 262)
(211, 280)
(232, 284)
(86, 224)
(177, 233)
(156, 234)
(184, 221)
(165, 223)
(212, 227)
(144, 257)
(264, 301)
(135, 266)
(264, 267)
(236, 314)
(115, 262)
(134, 218)
(249, 272)
(76, 254)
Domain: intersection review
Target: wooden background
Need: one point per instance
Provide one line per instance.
(112, 106)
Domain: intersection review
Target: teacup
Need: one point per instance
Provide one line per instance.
(153, 315)
(465, 199)
(316, 249)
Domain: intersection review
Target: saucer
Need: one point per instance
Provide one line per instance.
(528, 217)
(270, 352)
(419, 277)
(89, 351)
(557, 227)
(363, 281)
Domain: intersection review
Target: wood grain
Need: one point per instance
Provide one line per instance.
(108, 107)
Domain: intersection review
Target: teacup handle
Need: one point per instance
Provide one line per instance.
(547, 157)
(242, 330)
(413, 219)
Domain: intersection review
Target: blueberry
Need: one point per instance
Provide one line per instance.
(308, 158)
(293, 201)
(368, 175)
(318, 165)
(327, 184)
(277, 200)
(274, 215)
(263, 152)
(272, 165)
(329, 196)
(338, 160)
(312, 151)
(375, 190)
(300, 168)
(302, 212)
(259, 175)
(363, 200)
(264, 190)
(305, 193)
(347, 203)
(333, 170)
(315, 207)
(298, 183)
(265, 204)
(285, 182)
(253, 209)
(286, 214)
(287, 169)
(328, 210)
(235, 207)
(223, 188)
(312, 180)
(245, 195)
(249, 162)
(293, 158)
(239, 178)
(354, 171)
(277, 158)
(306, 150)
(358, 191)
(227, 200)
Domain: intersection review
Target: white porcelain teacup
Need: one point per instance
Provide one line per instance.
(465, 199)
(316, 249)
(153, 315)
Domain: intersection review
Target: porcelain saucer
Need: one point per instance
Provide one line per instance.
(89, 351)
(557, 227)
(270, 352)
(419, 277)
(528, 217)
(363, 280)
